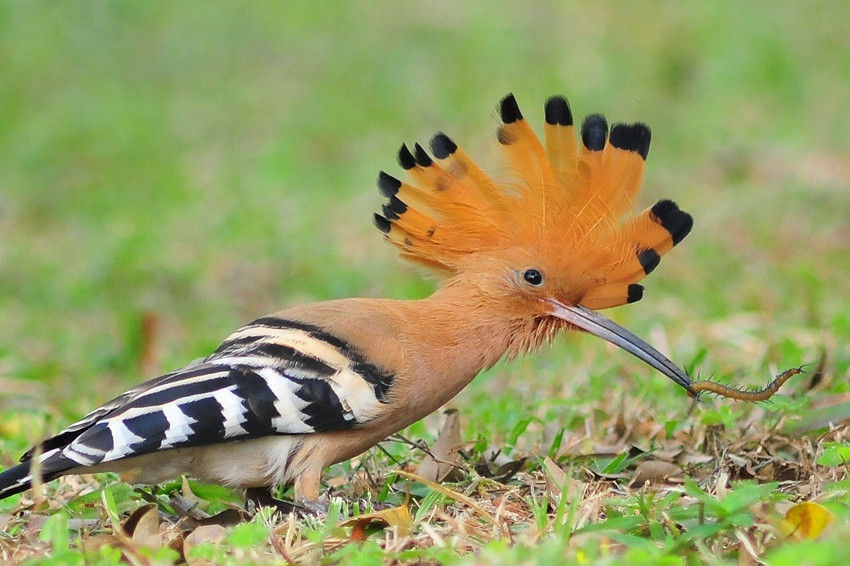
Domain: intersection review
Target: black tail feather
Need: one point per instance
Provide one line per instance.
(18, 478)
(15, 480)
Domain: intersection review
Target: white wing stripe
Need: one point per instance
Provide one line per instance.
(288, 405)
(178, 425)
(122, 439)
(233, 411)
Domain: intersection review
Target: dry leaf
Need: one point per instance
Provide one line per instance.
(695, 459)
(142, 526)
(226, 518)
(506, 472)
(149, 332)
(832, 410)
(6, 519)
(398, 517)
(207, 533)
(442, 466)
(190, 497)
(806, 520)
(655, 472)
(555, 477)
(140, 530)
(94, 543)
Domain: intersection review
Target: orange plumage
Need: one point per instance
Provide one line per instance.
(564, 205)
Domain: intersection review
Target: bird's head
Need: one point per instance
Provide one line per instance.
(553, 243)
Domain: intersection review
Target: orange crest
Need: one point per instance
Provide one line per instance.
(569, 200)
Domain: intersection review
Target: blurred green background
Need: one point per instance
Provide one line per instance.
(202, 164)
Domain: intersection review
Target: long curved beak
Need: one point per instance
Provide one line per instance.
(591, 321)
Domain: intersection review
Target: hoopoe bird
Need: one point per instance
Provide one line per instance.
(294, 392)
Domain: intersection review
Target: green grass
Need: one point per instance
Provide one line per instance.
(201, 165)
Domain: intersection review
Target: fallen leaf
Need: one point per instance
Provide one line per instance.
(190, 497)
(5, 520)
(495, 464)
(441, 464)
(94, 543)
(806, 520)
(506, 472)
(205, 534)
(226, 518)
(398, 517)
(149, 333)
(131, 522)
(142, 526)
(655, 472)
(695, 459)
(557, 479)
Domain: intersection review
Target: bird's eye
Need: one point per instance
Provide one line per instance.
(533, 277)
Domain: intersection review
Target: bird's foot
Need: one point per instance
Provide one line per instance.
(262, 497)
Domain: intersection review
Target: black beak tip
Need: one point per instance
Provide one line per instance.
(686, 383)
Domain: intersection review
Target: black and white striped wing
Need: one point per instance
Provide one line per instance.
(270, 377)
(72, 431)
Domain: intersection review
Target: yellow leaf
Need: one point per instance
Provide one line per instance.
(454, 495)
(393, 517)
(806, 520)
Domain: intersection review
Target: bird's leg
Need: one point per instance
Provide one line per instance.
(307, 488)
(262, 497)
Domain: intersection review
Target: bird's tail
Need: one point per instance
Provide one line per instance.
(15, 480)
(48, 466)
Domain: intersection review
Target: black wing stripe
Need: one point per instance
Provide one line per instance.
(380, 379)
(313, 330)
(71, 432)
(178, 390)
(324, 409)
(152, 427)
(271, 354)
(259, 400)
(207, 416)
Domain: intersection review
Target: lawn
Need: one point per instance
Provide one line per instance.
(169, 172)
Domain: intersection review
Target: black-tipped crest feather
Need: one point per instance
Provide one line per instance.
(558, 111)
(594, 132)
(388, 185)
(442, 146)
(566, 199)
(405, 158)
(509, 110)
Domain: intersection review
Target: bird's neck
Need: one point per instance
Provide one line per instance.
(469, 333)
(458, 332)
(433, 346)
